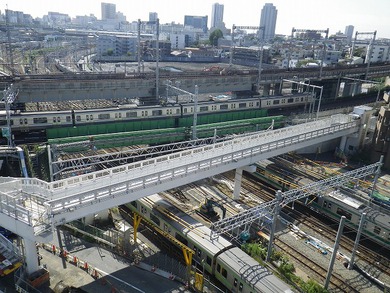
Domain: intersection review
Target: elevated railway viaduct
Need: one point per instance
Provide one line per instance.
(80, 86)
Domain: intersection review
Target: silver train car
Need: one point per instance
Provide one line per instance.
(337, 204)
(25, 121)
(235, 269)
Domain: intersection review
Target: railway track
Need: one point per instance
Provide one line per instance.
(335, 281)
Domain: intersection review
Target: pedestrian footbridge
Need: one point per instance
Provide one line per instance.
(32, 208)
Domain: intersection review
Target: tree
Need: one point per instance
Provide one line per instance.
(215, 36)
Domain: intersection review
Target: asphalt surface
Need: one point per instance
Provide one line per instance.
(113, 272)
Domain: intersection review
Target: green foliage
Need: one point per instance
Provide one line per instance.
(313, 287)
(214, 36)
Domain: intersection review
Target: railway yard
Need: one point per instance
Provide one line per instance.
(310, 257)
(306, 237)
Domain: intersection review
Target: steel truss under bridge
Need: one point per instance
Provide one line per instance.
(261, 212)
(62, 167)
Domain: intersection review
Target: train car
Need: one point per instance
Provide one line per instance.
(26, 121)
(235, 269)
(337, 204)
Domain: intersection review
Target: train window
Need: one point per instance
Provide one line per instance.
(276, 102)
(87, 117)
(143, 210)
(325, 204)
(224, 273)
(208, 260)
(40, 120)
(257, 104)
(235, 282)
(177, 111)
(25, 120)
(203, 109)
(155, 219)
(116, 115)
(4, 122)
(283, 101)
(301, 99)
(296, 99)
(341, 212)
(104, 116)
(232, 106)
(223, 107)
(119, 115)
(78, 118)
(134, 204)
(199, 253)
(240, 287)
(131, 114)
(242, 105)
(20, 121)
(251, 104)
(91, 117)
(191, 109)
(268, 103)
(377, 230)
(58, 119)
(185, 110)
(54, 119)
(156, 112)
(181, 239)
(329, 205)
(290, 100)
(219, 268)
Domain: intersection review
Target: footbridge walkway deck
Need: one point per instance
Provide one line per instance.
(31, 207)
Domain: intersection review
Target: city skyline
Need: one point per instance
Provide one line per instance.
(301, 14)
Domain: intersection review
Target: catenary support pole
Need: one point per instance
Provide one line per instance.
(335, 248)
(273, 225)
(355, 246)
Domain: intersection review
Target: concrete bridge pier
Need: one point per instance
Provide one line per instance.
(238, 179)
(31, 255)
(352, 88)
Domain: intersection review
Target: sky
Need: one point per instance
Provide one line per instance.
(365, 16)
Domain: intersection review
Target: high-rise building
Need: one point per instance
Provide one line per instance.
(196, 22)
(108, 11)
(153, 16)
(216, 15)
(268, 21)
(349, 32)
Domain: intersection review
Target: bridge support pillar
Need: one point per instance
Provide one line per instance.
(238, 179)
(266, 89)
(352, 88)
(343, 143)
(31, 255)
(277, 89)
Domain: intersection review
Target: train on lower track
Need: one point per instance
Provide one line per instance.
(235, 269)
(349, 203)
(27, 121)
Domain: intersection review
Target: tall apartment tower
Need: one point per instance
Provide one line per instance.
(153, 16)
(108, 11)
(216, 15)
(349, 32)
(268, 21)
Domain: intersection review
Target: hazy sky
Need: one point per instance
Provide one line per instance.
(365, 16)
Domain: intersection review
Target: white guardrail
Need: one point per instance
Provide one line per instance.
(67, 194)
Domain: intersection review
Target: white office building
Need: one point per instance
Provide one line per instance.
(268, 22)
(217, 15)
